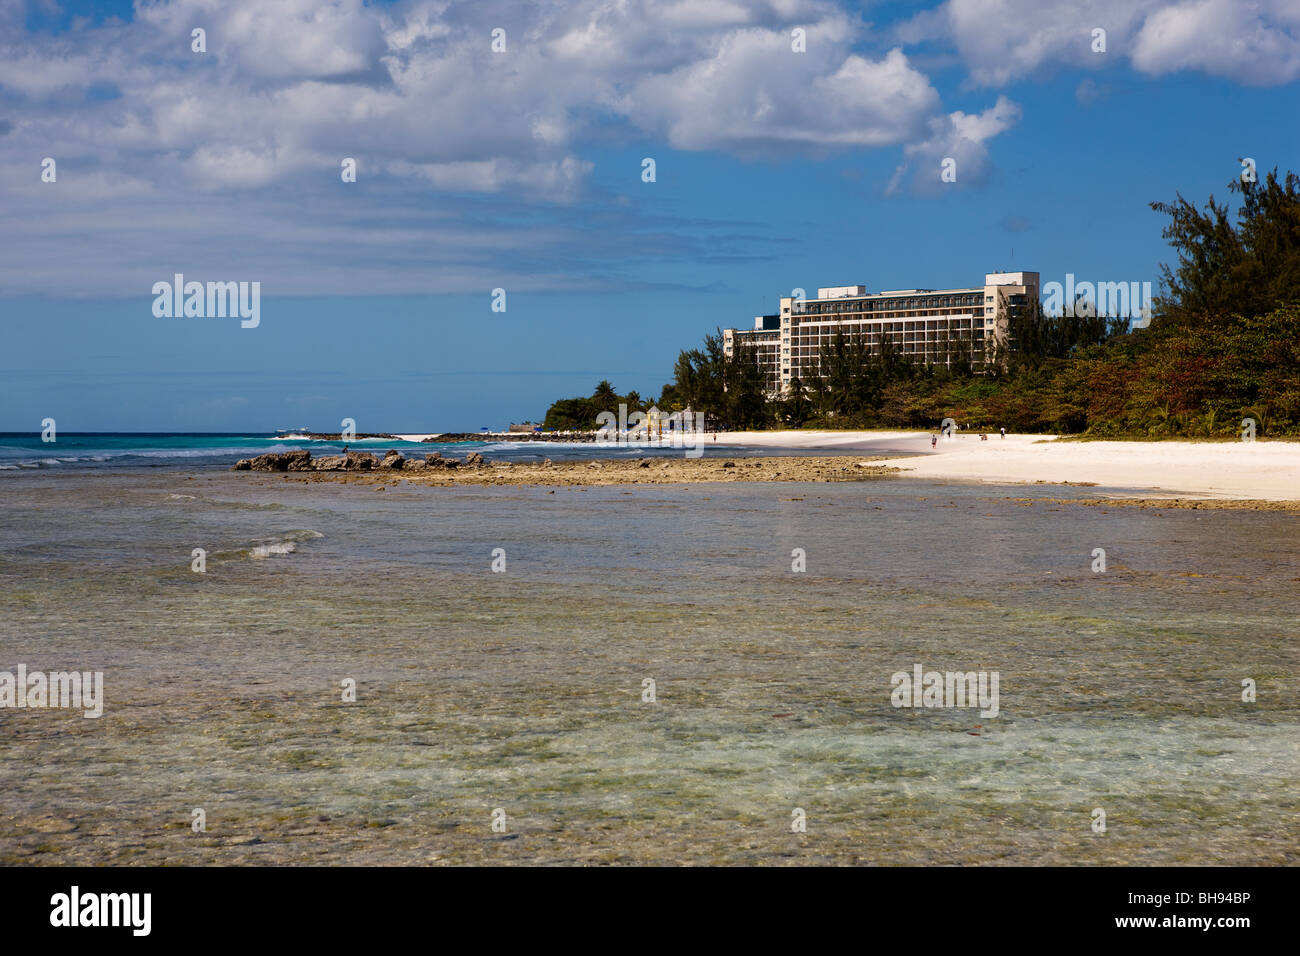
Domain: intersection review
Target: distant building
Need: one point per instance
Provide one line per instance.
(765, 339)
(933, 326)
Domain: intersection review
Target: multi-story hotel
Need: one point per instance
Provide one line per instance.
(933, 326)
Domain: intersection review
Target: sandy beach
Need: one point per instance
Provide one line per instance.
(1253, 475)
(1259, 471)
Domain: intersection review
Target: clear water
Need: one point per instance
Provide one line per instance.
(522, 690)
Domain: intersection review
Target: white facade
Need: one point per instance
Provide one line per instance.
(932, 326)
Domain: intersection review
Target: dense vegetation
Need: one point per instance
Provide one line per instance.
(579, 414)
(1223, 344)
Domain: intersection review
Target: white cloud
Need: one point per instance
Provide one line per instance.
(295, 39)
(754, 93)
(152, 139)
(1250, 41)
(1003, 40)
(959, 137)
(556, 180)
(283, 83)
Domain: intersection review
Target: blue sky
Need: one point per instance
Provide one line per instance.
(522, 170)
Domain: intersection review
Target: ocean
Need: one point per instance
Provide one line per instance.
(644, 678)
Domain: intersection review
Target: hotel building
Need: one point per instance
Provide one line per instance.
(930, 326)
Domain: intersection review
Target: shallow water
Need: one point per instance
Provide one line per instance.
(522, 690)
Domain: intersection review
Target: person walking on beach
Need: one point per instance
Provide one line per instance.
(1004, 432)
(934, 441)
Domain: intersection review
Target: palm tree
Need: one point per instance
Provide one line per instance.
(604, 396)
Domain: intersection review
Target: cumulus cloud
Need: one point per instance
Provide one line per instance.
(286, 84)
(1249, 41)
(1252, 42)
(161, 148)
(1003, 40)
(288, 39)
(959, 137)
(753, 93)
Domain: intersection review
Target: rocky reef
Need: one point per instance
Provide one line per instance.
(354, 461)
(392, 469)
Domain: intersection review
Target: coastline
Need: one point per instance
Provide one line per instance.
(1233, 473)
(1228, 470)
(596, 473)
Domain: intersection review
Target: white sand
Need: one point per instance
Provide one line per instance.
(1248, 470)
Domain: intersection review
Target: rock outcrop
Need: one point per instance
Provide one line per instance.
(302, 461)
(360, 461)
(272, 461)
(357, 461)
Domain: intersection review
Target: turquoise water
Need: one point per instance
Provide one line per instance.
(208, 451)
(522, 690)
(100, 450)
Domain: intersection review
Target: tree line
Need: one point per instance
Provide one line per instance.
(1223, 344)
